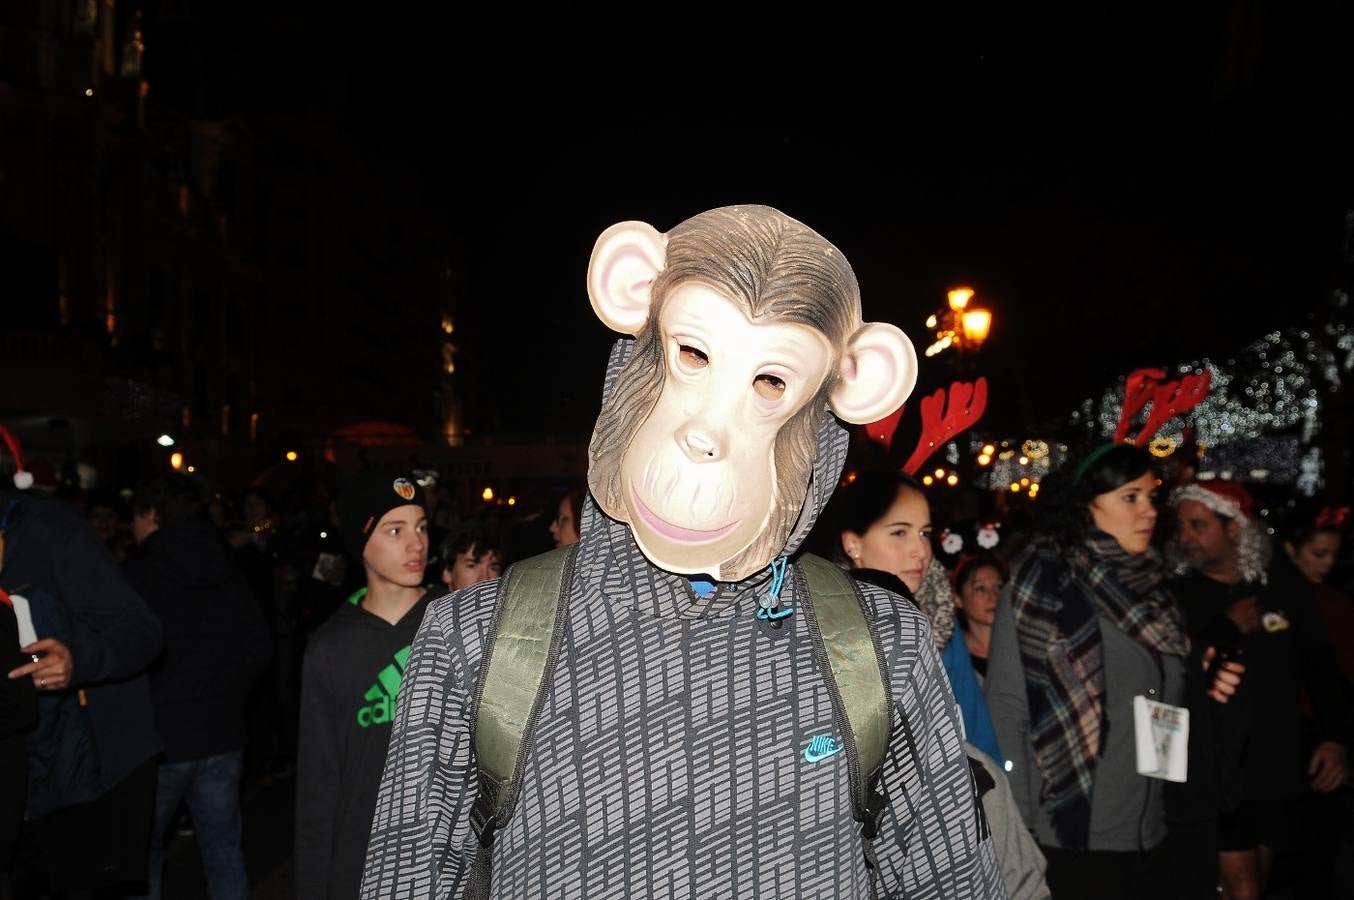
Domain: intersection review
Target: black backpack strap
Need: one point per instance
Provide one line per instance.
(520, 653)
(856, 674)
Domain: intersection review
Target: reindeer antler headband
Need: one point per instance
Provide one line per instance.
(940, 422)
(1169, 399)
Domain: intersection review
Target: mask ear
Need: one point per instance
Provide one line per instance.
(878, 372)
(625, 261)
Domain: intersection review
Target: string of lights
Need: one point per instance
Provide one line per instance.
(1265, 407)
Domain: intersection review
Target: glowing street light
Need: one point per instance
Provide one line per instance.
(959, 298)
(165, 440)
(961, 326)
(977, 323)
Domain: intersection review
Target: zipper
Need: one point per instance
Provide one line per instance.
(1160, 691)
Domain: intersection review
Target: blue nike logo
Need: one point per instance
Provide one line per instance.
(821, 747)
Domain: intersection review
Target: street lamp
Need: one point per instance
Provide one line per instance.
(962, 327)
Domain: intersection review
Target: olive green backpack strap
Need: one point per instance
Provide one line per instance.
(519, 658)
(857, 680)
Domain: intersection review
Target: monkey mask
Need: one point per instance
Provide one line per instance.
(748, 331)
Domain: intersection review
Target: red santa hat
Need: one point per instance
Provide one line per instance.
(1226, 498)
(23, 479)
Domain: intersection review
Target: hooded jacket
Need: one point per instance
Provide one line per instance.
(92, 735)
(216, 639)
(349, 681)
(669, 758)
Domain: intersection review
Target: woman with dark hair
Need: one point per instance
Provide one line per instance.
(1085, 626)
(1312, 540)
(977, 587)
(884, 524)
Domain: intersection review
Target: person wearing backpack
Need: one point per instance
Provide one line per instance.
(680, 703)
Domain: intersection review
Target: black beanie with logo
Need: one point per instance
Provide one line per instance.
(371, 494)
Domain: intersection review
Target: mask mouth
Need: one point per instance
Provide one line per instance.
(676, 533)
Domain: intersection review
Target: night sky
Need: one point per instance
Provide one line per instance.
(1122, 188)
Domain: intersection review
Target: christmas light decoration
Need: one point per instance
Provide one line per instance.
(1265, 405)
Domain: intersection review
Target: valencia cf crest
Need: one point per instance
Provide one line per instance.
(404, 487)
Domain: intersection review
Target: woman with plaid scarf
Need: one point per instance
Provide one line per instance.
(1085, 625)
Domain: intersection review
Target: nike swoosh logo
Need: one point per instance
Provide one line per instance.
(820, 748)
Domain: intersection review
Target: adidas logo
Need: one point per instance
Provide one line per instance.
(380, 697)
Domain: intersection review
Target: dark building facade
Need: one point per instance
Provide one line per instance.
(172, 265)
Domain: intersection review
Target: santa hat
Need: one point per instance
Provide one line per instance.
(1226, 498)
(23, 479)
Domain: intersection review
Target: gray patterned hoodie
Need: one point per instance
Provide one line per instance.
(669, 760)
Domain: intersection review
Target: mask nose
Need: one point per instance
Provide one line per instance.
(700, 443)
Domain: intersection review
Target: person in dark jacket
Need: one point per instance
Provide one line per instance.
(91, 780)
(350, 680)
(216, 646)
(1261, 768)
(18, 714)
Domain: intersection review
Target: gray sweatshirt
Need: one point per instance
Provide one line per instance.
(669, 760)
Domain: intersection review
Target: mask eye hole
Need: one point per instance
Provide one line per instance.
(769, 387)
(692, 357)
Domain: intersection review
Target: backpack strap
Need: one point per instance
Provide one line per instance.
(519, 657)
(857, 681)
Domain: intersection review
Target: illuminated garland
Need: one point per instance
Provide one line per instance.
(1276, 384)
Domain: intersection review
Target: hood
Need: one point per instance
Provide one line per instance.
(351, 613)
(192, 554)
(629, 577)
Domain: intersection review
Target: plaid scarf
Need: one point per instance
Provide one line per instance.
(1057, 598)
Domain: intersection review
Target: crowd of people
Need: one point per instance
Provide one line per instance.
(647, 687)
(166, 668)
(172, 650)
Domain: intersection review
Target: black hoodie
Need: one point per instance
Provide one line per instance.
(349, 681)
(216, 639)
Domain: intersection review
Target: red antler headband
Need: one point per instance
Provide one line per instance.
(941, 422)
(1169, 398)
(23, 479)
(1332, 517)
